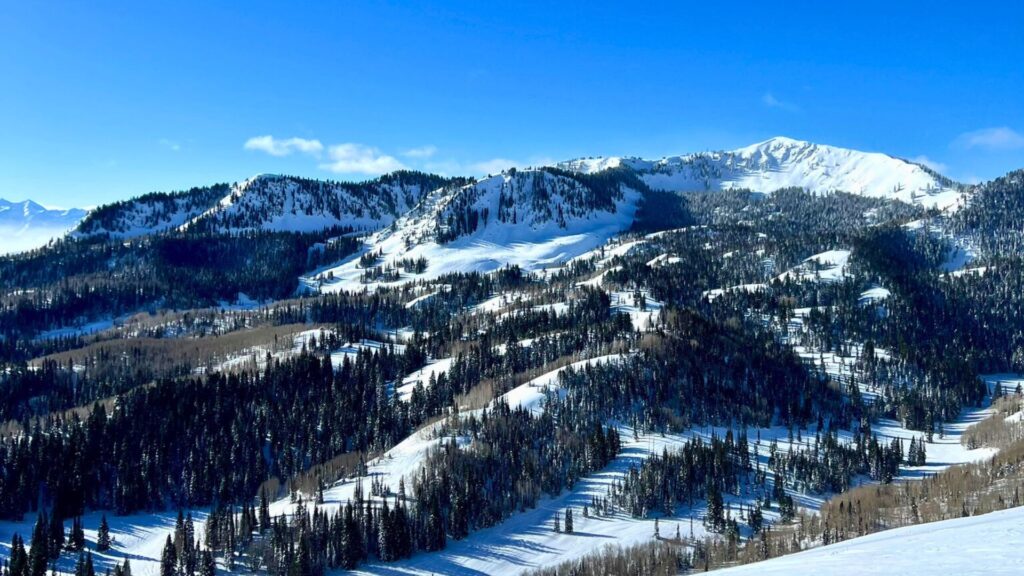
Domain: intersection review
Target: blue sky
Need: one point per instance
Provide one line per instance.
(101, 100)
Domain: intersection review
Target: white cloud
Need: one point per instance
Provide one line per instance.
(353, 158)
(284, 147)
(170, 145)
(769, 100)
(1000, 138)
(926, 161)
(421, 152)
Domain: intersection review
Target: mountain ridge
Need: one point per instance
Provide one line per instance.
(783, 162)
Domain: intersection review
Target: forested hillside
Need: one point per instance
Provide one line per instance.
(292, 376)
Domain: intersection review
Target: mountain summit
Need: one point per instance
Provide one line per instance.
(782, 162)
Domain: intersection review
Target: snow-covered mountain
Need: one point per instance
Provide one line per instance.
(535, 218)
(532, 218)
(26, 225)
(783, 162)
(286, 203)
(266, 202)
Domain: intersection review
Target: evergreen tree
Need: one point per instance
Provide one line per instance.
(568, 521)
(39, 554)
(76, 541)
(168, 559)
(56, 536)
(103, 535)
(19, 562)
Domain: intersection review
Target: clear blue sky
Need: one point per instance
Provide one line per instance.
(101, 100)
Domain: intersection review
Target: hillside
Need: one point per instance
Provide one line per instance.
(979, 545)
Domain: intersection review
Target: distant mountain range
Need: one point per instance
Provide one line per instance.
(26, 225)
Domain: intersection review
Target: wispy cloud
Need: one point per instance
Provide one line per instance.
(926, 161)
(770, 101)
(284, 147)
(362, 159)
(351, 158)
(995, 139)
(421, 152)
(170, 145)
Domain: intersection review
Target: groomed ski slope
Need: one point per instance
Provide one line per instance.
(987, 544)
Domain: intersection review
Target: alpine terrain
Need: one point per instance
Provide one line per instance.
(785, 358)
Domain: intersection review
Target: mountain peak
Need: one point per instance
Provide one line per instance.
(783, 162)
(786, 141)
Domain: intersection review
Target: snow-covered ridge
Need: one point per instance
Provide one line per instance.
(283, 203)
(784, 162)
(266, 202)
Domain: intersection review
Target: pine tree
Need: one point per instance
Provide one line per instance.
(89, 568)
(76, 542)
(56, 536)
(264, 510)
(103, 535)
(715, 518)
(39, 555)
(18, 565)
(568, 520)
(168, 559)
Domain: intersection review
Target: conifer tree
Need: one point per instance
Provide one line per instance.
(56, 536)
(76, 542)
(39, 555)
(168, 559)
(18, 564)
(103, 535)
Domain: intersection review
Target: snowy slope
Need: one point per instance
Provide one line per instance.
(987, 544)
(26, 225)
(531, 218)
(783, 162)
